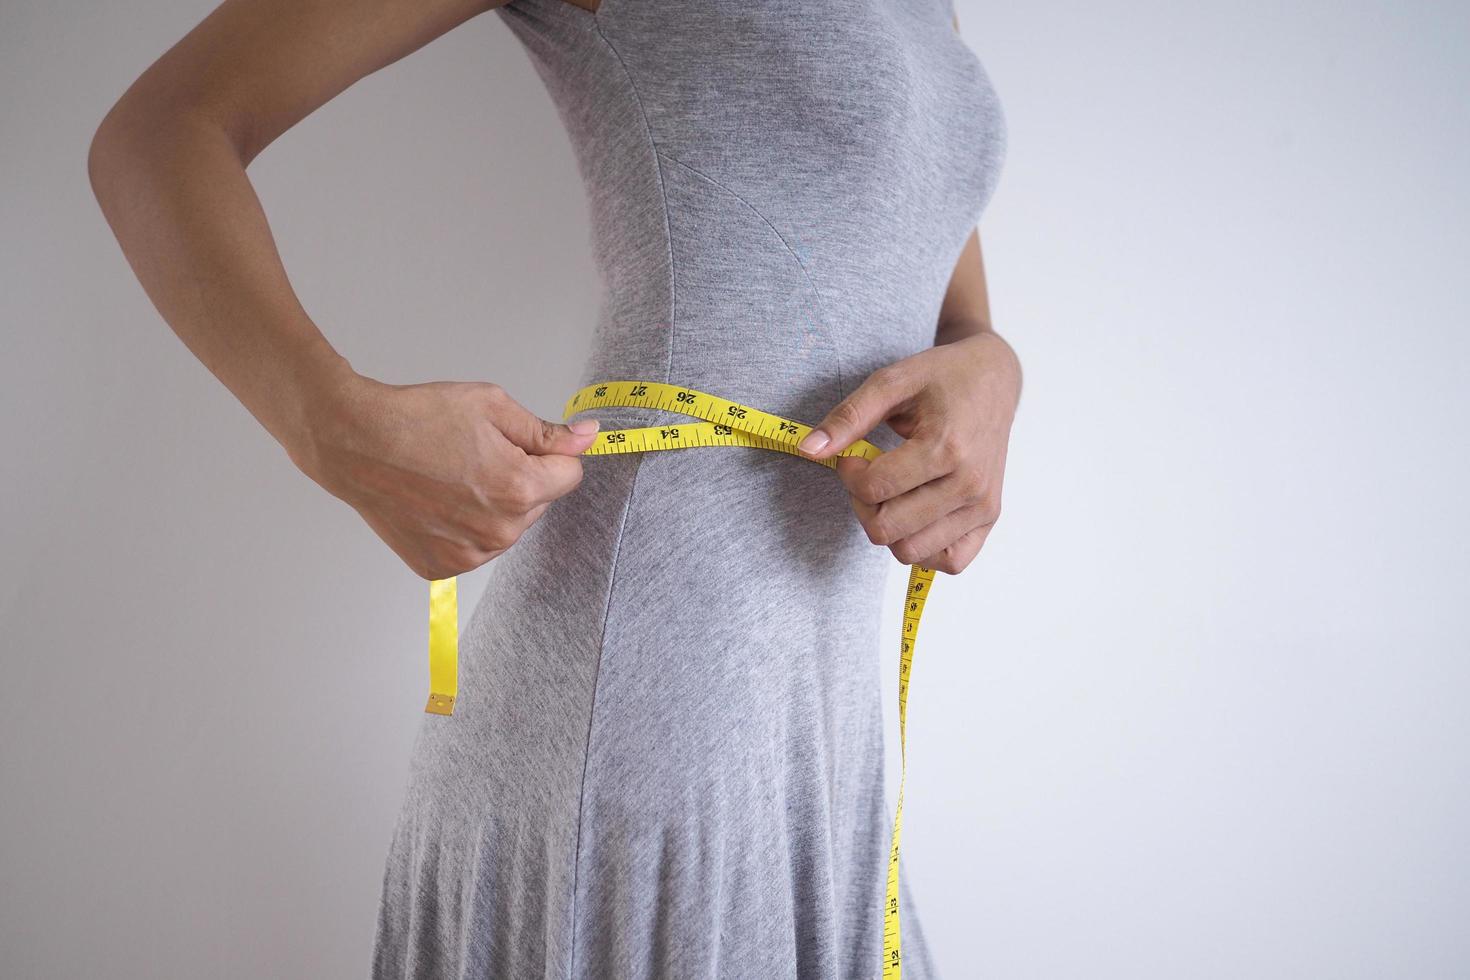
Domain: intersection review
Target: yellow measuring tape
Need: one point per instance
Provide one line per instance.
(725, 423)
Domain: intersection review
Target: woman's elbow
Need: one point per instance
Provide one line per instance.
(143, 133)
(121, 142)
(108, 149)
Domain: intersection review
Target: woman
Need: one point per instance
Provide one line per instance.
(666, 757)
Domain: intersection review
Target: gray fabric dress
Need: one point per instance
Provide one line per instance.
(667, 755)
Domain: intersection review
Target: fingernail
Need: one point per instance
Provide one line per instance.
(814, 441)
(583, 427)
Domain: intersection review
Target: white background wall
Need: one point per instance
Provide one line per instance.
(1197, 711)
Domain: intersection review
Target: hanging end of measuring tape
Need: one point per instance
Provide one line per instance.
(443, 646)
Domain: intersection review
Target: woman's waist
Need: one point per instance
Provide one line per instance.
(743, 506)
(785, 391)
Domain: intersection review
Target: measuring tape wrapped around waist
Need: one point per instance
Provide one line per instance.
(723, 423)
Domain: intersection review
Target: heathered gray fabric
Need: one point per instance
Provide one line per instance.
(667, 755)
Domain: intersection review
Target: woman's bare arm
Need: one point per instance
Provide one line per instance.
(168, 164)
(965, 310)
(934, 499)
(168, 167)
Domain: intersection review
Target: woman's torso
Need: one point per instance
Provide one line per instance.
(666, 758)
(778, 190)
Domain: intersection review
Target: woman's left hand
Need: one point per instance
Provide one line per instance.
(933, 499)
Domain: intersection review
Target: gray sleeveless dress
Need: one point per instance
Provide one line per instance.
(666, 759)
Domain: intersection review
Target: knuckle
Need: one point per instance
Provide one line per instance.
(870, 528)
(906, 552)
(435, 565)
(846, 414)
(971, 486)
(871, 490)
(951, 446)
(887, 376)
(517, 490)
(495, 536)
(493, 393)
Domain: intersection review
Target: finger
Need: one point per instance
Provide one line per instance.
(870, 516)
(934, 537)
(551, 476)
(954, 558)
(913, 464)
(537, 435)
(848, 467)
(923, 507)
(860, 412)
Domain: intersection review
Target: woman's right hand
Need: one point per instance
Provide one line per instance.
(448, 473)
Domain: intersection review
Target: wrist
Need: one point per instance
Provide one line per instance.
(322, 398)
(996, 364)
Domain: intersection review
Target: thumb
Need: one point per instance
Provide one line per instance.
(541, 437)
(859, 413)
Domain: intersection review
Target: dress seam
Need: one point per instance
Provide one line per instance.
(805, 273)
(632, 489)
(658, 157)
(612, 579)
